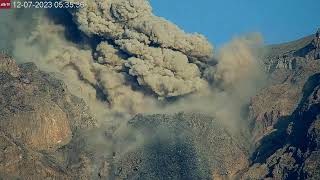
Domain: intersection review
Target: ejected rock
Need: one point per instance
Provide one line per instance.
(180, 146)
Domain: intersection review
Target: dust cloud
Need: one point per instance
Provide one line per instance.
(123, 60)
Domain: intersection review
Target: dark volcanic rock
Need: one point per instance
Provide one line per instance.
(180, 146)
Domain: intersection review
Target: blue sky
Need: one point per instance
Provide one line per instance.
(221, 20)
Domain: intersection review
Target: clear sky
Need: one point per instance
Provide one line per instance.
(220, 20)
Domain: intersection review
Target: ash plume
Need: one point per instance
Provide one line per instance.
(138, 54)
(158, 52)
(129, 61)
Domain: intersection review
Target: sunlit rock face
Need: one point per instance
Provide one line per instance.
(32, 110)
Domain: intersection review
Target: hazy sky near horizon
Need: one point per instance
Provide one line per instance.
(221, 20)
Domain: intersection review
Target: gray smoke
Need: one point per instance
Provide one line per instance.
(154, 50)
(130, 61)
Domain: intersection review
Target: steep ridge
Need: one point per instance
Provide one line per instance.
(38, 116)
(285, 115)
(44, 128)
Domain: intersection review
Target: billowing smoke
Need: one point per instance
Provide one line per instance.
(137, 55)
(123, 60)
(152, 49)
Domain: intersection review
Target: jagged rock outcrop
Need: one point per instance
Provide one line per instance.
(279, 99)
(281, 60)
(291, 151)
(285, 116)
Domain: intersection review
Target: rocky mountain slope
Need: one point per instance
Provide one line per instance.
(283, 121)
(38, 116)
(291, 150)
(43, 136)
(42, 127)
(290, 66)
(285, 115)
(48, 133)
